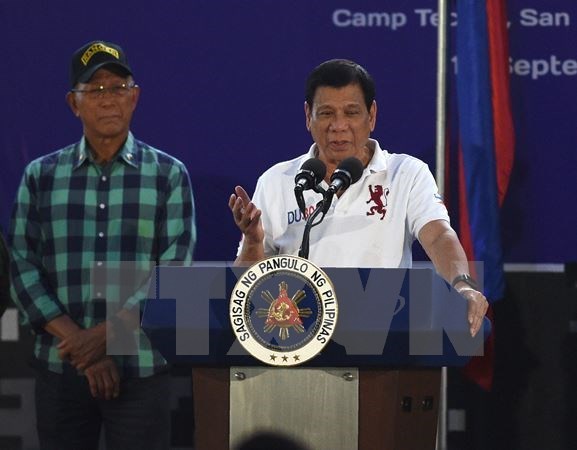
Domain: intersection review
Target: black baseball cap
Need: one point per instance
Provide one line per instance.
(94, 55)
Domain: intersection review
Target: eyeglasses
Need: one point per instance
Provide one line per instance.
(120, 90)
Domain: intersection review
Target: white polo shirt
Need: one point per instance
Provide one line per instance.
(372, 224)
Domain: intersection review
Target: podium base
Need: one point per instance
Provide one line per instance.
(325, 408)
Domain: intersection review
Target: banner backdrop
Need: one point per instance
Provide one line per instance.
(222, 89)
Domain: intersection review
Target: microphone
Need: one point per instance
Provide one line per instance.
(311, 173)
(348, 172)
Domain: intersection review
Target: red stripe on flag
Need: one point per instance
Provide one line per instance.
(502, 115)
(464, 225)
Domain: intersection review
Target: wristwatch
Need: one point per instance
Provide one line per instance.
(467, 279)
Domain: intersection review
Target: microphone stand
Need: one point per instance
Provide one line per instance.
(319, 209)
(327, 200)
(300, 199)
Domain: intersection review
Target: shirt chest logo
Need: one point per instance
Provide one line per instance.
(378, 197)
(296, 216)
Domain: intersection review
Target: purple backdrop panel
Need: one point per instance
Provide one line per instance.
(222, 89)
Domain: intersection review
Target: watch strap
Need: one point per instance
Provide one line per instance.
(467, 279)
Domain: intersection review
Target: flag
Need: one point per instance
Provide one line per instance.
(486, 147)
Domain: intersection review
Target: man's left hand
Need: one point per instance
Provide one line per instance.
(84, 347)
(103, 379)
(476, 308)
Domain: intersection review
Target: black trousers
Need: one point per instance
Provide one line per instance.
(69, 418)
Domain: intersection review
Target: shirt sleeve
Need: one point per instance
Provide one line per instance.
(425, 202)
(176, 232)
(30, 287)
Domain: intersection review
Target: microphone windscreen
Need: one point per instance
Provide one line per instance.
(353, 166)
(317, 167)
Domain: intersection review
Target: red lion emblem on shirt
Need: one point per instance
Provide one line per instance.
(377, 195)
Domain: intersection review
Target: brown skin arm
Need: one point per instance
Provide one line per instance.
(62, 327)
(442, 245)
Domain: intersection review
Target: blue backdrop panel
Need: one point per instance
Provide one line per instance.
(222, 89)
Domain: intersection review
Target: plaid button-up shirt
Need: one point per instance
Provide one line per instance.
(73, 216)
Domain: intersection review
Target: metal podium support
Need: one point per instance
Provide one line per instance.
(316, 406)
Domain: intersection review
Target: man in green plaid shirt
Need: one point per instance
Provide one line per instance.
(80, 212)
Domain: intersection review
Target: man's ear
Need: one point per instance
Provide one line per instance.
(373, 115)
(307, 116)
(71, 100)
(135, 91)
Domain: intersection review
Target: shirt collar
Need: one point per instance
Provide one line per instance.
(377, 163)
(129, 152)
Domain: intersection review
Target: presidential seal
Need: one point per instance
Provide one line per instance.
(283, 310)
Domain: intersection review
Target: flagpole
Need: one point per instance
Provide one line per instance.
(440, 178)
(441, 95)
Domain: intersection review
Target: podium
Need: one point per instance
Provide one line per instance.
(375, 385)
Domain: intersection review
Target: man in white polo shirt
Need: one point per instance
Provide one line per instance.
(372, 223)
